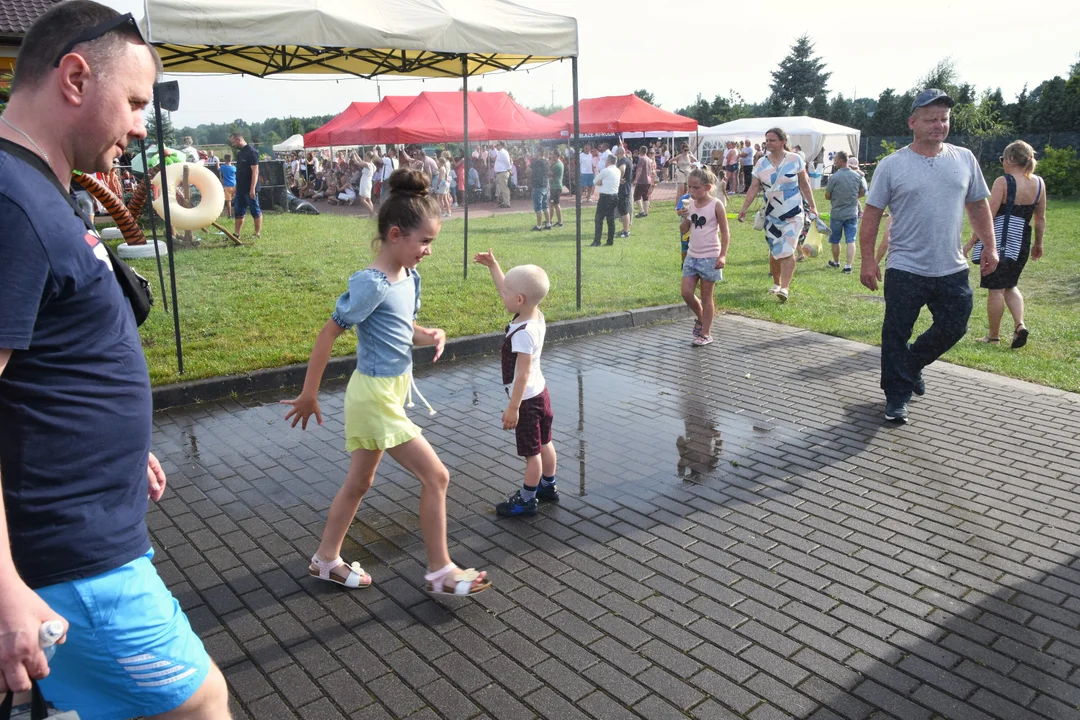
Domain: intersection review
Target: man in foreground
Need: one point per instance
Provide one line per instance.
(75, 404)
(927, 186)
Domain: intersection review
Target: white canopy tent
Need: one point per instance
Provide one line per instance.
(291, 144)
(819, 139)
(364, 38)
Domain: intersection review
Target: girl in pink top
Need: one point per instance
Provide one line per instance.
(705, 218)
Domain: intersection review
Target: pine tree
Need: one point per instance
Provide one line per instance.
(840, 110)
(801, 76)
(168, 132)
(819, 108)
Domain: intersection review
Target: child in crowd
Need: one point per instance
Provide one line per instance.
(529, 411)
(704, 218)
(684, 237)
(228, 184)
(381, 303)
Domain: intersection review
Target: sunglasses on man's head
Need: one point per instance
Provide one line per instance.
(97, 31)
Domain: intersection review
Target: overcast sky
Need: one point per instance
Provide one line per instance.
(868, 46)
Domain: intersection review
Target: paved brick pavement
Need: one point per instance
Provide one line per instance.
(740, 536)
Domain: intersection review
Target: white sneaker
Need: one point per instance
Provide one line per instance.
(774, 289)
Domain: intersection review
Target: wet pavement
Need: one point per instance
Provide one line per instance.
(740, 535)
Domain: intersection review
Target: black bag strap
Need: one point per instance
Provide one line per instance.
(38, 709)
(135, 287)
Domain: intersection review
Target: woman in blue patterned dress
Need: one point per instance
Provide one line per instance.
(781, 174)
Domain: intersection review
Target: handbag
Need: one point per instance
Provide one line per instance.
(759, 219)
(135, 287)
(1001, 230)
(39, 710)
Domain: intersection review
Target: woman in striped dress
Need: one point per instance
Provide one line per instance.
(1018, 197)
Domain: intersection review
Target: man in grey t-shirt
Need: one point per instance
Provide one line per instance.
(927, 185)
(844, 190)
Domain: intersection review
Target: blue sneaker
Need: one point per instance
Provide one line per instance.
(516, 506)
(896, 409)
(547, 493)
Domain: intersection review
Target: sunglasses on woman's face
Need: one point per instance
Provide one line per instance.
(97, 31)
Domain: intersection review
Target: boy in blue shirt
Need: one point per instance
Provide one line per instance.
(228, 182)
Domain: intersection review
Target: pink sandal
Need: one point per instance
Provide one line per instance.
(322, 569)
(462, 581)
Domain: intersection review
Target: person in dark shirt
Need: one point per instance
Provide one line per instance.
(247, 185)
(538, 181)
(75, 403)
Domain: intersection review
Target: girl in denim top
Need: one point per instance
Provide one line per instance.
(381, 303)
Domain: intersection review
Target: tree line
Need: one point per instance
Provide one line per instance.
(800, 87)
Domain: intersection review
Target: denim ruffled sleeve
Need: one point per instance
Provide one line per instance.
(367, 288)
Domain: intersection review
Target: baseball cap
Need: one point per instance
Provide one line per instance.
(931, 95)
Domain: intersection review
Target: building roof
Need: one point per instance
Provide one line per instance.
(16, 16)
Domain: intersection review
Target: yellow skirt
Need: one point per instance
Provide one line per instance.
(375, 416)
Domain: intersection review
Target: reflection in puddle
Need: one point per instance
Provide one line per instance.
(699, 453)
(194, 443)
(581, 434)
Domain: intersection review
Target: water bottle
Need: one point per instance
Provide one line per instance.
(48, 635)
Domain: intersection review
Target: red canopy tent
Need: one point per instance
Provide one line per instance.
(358, 131)
(320, 137)
(624, 113)
(439, 117)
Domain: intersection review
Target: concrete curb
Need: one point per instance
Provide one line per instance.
(209, 389)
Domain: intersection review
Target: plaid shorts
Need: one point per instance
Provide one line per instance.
(534, 424)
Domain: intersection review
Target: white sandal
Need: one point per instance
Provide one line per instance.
(462, 581)
(322, 570)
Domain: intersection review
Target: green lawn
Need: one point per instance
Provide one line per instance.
(261, 306)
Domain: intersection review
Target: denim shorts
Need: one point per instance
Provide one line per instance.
(704, 268)
(847, 228)
(587, 180)
(540, 199)
(130, 650)
(243, 201)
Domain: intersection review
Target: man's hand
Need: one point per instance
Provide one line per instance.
(989, 261)
(510, 418)
(22, 613)
(870, 275)
(155, 478)
(303, 407)
(1036, 251)
(252, 194)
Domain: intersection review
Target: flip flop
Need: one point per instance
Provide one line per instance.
(988, 339)
(1020, 337)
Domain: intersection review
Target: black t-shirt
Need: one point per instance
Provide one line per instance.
(75, 404)
(247, 157)
(539, 170)
(627, 175)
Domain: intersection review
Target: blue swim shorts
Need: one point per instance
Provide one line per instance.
(130, 650)
(704, 268)
(586, 180)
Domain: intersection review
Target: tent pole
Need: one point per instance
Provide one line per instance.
(168, 229)
(153, 222)
(577, 199)
(465, 195)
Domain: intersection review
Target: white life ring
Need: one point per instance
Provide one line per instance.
(209, 208)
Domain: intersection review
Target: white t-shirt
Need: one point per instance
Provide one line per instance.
(607, 180)
(531, 342)
(502, 161)
(586, 164)
(602, 161)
